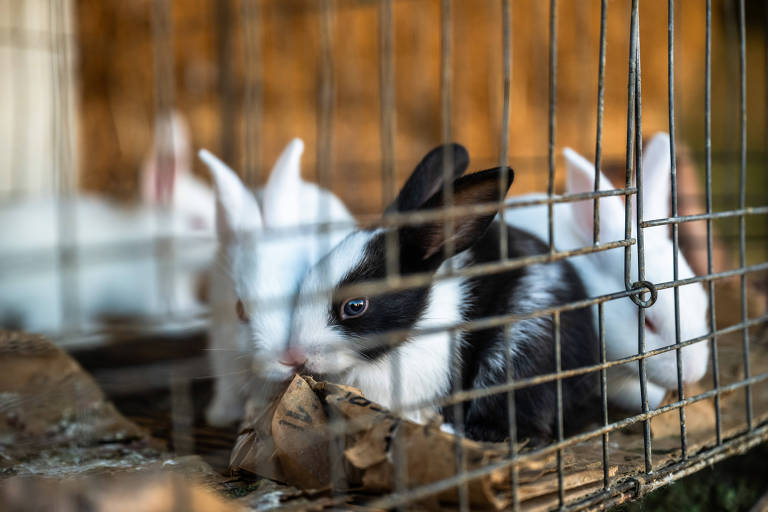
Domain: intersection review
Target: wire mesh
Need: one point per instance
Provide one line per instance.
(250, 87)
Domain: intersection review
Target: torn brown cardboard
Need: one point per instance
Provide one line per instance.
(291, 442)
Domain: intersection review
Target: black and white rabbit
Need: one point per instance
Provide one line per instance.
(331, 333)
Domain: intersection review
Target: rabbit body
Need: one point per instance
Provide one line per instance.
(603, 273)
(422, 367)
(266, 243)
(117, 272)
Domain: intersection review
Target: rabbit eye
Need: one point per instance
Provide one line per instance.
(241, 313)
(354, 308)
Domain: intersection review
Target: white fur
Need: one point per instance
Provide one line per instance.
(603, 273)
(264, 251)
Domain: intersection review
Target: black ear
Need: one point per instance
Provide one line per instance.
(428, 177)
(426, 243)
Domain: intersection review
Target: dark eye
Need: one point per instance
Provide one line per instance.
(242, 314)
(353, 308)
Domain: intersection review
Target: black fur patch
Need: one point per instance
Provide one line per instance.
(386, 311)
(535, 407)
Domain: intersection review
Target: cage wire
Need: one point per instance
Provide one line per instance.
(165, 250)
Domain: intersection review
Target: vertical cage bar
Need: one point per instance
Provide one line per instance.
(603, 391)
(327, 87)
(634, 141)
(641, 250)
(387, 101)
(182, 414)
(550, 227)
(21, 103)
(742, 200)
(708, 186)
(630, 148)
(506, 64)
(675, 226)
(514, 478)
(506, 43)
(559, 396)
(324, 150)
(596, 229)
(600, 111)
(551, 124)
(392, 253)
(252, 51)
(163, 59)
(223, 10)
(65, 180)
(639, 154)
(446, 86)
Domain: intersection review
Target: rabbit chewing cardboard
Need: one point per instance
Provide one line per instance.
(289, 441)
(295, 436)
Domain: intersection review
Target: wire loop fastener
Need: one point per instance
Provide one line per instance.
(637, 297)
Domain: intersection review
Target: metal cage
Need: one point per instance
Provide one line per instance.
(611, 482)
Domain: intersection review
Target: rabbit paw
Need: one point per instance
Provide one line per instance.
(223, 411)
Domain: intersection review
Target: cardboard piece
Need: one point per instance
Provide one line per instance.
(296, 448)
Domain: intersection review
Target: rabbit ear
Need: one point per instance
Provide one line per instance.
(236, 208)
(657, 169)
(282, 193)
(158, 184)
(580, 178)
(424, 244)
(428, 176)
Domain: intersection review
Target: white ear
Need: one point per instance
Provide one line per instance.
(282, 193)
(657, 166)
(159, 185)
(236, 208)
(580, 178)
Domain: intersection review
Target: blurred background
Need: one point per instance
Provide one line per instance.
(87, 89)
(83, 84)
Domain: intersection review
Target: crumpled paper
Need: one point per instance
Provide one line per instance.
(292, 441)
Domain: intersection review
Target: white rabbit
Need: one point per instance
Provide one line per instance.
(603, 273)
(265, 247)
(118, 273)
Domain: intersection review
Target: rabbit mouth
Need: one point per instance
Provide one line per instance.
(321, 376)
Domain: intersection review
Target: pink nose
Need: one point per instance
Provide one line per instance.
(293, 357)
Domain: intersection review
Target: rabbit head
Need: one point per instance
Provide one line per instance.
(340, 333)
(607, 273)
(265, 249)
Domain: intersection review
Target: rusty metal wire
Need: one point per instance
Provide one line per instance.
(640, 291)
(708, 193)
(675, 227)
